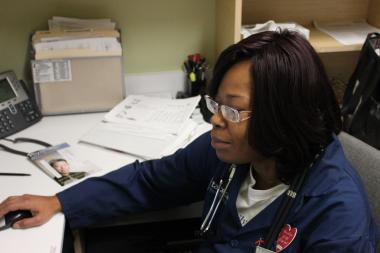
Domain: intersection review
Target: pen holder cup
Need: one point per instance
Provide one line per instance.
(195, 88)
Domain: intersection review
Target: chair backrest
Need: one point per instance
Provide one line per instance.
(366, 160)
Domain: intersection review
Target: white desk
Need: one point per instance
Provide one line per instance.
(48, 238)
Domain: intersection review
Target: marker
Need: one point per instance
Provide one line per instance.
(192, 77)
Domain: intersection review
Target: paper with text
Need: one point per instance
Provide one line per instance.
(115, 137)
(55, 70)
(104, 44)
(161, 114)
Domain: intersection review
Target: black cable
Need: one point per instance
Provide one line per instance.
(3, 228)
(287, 204)
(282, 212)
(22, 139)
(13, 151)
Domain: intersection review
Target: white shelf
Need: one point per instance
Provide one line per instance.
(324, 43)
(339, 60)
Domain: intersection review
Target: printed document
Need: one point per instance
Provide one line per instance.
(162, 114)
(55, 70)
(105, 45)
(148, 127)
(347, 33)
(151, 146)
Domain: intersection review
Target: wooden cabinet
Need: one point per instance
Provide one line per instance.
(339, 59)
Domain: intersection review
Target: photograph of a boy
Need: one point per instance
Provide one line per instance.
(62, 167)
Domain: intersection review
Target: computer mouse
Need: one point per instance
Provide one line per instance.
(12, 217)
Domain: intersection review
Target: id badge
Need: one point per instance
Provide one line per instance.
(263, 250)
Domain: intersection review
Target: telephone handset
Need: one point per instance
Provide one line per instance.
(18, 110)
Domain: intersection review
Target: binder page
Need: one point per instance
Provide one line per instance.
(145, 147)
(161, 114)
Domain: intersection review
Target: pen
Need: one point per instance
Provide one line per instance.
(14, 174)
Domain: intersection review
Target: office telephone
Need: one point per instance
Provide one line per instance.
(17, 108)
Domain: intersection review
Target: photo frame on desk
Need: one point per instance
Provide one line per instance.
(61, 164)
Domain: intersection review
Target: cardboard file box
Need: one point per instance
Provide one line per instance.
(77, 71)
(97, 84)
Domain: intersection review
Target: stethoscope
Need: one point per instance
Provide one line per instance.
(220, 192)
(281, 213)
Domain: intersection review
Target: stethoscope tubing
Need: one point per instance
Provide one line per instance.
(203, 230)
(214, 208)
(281, 213)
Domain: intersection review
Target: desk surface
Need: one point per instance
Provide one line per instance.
(54, 130)
(57, 129)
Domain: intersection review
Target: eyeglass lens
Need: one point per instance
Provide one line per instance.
(227, 112)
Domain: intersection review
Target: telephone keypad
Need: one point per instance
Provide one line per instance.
(19, 111)
(9, 119)
(2, 122)
(27, 109)
(5, 122)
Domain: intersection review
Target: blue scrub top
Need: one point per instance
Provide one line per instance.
(331, 213)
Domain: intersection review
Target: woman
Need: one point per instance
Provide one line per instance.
(275, 120)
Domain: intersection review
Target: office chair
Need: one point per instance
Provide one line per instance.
(366, 160)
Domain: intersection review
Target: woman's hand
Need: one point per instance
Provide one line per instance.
(42, 208)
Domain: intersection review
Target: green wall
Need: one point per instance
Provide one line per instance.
(157, 35)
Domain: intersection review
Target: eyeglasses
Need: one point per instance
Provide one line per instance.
(228, 113)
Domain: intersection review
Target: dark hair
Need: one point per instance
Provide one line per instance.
(52, 162)
(295, 111)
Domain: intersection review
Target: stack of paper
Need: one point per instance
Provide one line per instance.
(347, 33)
(69, 24)
(74, 38)
(147, 127)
